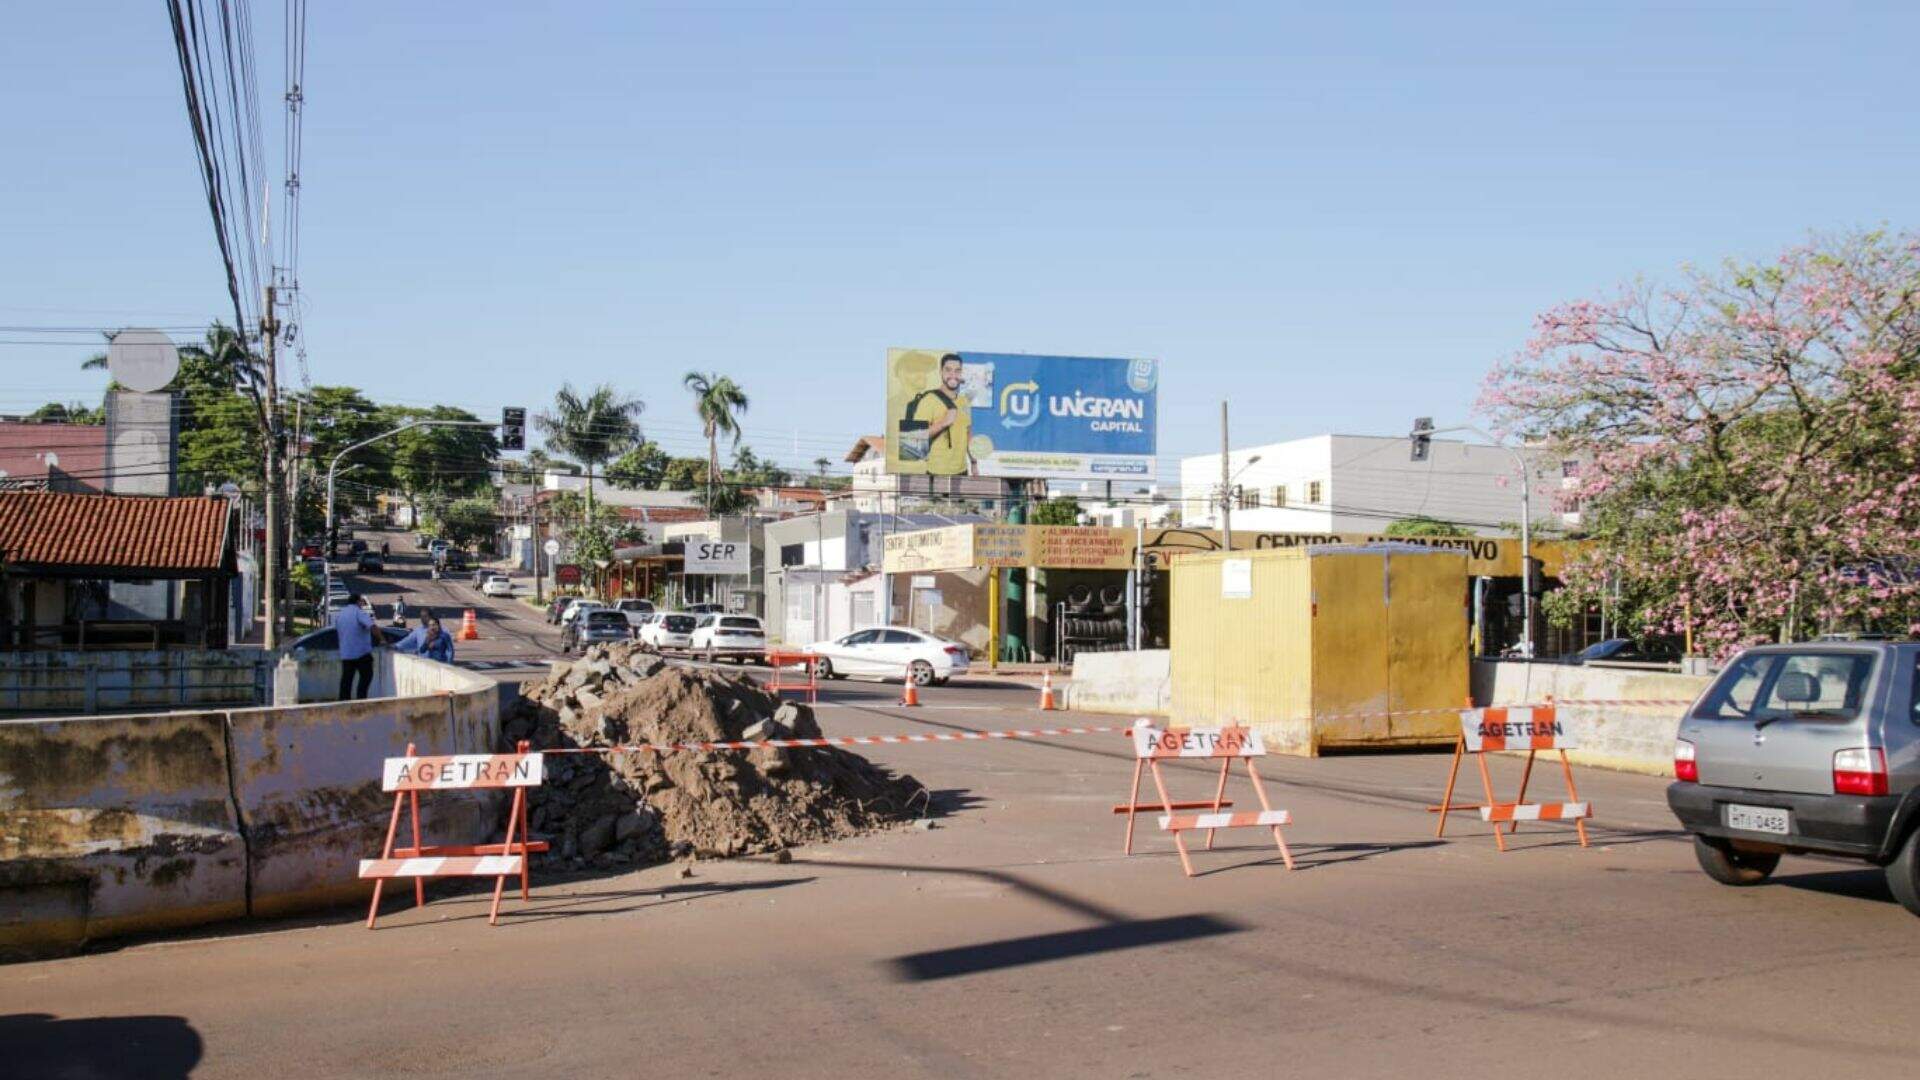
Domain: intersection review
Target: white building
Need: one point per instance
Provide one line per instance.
(1121, 504)
(1364, 483)
(605, 494)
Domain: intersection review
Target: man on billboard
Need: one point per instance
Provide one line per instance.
(937, 426)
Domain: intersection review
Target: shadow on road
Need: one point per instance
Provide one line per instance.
(1867, 883)
(39, 1044)
(515, 911)
(1066, 944)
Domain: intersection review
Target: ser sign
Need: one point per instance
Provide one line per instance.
(718, 557)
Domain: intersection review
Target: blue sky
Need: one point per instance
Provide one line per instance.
(1337, 216)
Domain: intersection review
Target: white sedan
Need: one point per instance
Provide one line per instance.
(892, 652)
(669, 630)
(734, 637)
(498, 585)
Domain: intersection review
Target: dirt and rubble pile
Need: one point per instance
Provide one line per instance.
(621, 809)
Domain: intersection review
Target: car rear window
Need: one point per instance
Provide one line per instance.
(606, 618)
(1789, 686)
(679, 624)
(741, 624)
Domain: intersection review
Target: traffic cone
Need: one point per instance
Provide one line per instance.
(469, 628)
(909, 693)
(1046, 692)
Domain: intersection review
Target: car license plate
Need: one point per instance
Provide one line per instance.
(1764, 819)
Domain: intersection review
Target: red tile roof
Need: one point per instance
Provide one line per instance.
(132, 532)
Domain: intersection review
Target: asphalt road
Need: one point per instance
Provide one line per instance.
(1014, 939)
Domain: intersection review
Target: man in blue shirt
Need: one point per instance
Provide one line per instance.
(428, 640)
(354, 627)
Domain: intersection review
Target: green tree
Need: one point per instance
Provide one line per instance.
(1060, 510)
(468, 522)
(643, 466)
(593, 428)
(718, 401)
(1425, 526)
(684, 474)
(439, 464)
(752, 470)
(820, 467)
(71, 413)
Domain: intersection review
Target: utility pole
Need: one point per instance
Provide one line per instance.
(270, 329)
(539, 589)
(293, 507)
(1226, 489)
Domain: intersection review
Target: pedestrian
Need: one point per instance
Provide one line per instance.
(428, 640)
(354, 627)
(383, 549)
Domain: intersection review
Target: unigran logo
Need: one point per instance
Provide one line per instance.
(1020, 404)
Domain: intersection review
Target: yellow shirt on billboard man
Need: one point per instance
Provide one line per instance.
(945, 417)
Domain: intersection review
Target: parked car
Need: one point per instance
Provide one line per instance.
(357, 547)
(451, 558)
(732, 637)
(310, 549)
(423, 541)
(1628, 650)
(704, 609)
(1805, 749)
(578, 606)
(891, 652)
(670, 630)
(370, 562)
(318, 568)
(327, 639)
(594, 627)
(633, 609)
(639, 622)
(498, 585)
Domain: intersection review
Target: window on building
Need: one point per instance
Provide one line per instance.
(793, 554)
(1249, 498)
(1569, 468)
(1313, 492)
(1280, 495)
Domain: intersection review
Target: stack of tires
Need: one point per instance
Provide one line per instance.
(1093, 623)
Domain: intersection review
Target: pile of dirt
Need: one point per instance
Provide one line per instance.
(613, 810)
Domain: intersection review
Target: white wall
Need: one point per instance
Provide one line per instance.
(1368, 482)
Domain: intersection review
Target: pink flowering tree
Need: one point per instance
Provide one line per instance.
(1751, 443)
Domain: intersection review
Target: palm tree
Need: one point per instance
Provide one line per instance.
(717, 399)
(592, 429)
(820, 466)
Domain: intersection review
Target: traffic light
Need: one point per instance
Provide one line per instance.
(1536, 577)
(1421, 438)
(513, 429)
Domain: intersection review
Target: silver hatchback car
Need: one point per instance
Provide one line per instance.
(1799, 749)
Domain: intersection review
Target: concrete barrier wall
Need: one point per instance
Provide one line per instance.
(1632, 738)
(115, 825)
(1131, 683)
(71, 681)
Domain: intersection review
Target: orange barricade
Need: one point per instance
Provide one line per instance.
(1532, 728)
(778, 684)
(408, 776)
(1152, 745)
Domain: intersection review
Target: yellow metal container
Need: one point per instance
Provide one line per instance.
(1322, 647)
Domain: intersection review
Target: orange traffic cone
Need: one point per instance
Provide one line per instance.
(1046, 692)
(469, 628)
(909, 693)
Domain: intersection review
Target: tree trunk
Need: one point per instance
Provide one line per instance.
(713, 462)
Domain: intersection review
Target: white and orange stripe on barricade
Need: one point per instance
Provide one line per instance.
(408, 776)
(441, 866)
(1152, 746)
(1552, 811)
(1529, 728)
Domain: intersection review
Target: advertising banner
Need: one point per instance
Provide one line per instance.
(953, 413)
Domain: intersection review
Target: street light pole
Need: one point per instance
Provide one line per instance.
(1526, 527)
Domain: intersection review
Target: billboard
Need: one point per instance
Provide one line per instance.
(958, 413)
(717, 557)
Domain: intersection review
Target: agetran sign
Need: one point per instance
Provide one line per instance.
(1008, 414)
(718, 557)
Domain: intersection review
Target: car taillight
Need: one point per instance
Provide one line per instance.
(956, 650)
(1684, 766)
(1860, 771)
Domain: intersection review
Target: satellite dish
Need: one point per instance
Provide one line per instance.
(143, 360)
